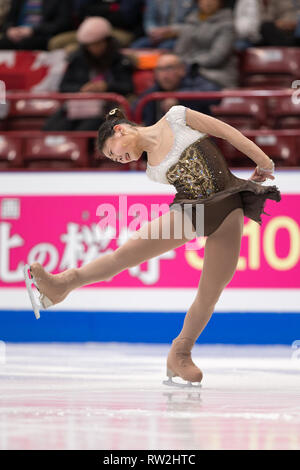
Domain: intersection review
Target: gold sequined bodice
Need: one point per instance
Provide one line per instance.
(200, 171)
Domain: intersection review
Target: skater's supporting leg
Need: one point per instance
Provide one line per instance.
(221, 255)
(222, 250)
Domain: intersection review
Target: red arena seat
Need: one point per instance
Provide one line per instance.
(142, 79)
(10, 152)
(282, 149)
(284, 113)
(30, 113)
(270, 67)
(57, 151)
(243, 113)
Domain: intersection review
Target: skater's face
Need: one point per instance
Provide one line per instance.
(122, 147)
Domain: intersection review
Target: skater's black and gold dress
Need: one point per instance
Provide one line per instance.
(197, 169)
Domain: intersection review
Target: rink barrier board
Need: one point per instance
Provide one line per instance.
(263, 309)
(147, 327)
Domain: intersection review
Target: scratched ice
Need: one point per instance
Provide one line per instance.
(110, 396)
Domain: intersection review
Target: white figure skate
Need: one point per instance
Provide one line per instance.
(42, 302)
(189, 385)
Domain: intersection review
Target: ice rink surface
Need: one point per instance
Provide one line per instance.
(110, 396)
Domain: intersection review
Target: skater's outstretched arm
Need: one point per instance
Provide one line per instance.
(210, 125)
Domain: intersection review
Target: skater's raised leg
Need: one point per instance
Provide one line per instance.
(161, 234)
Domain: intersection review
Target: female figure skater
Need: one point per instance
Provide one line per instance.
(180, 152)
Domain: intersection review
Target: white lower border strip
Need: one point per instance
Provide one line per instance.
(160, 300)
(114, 183)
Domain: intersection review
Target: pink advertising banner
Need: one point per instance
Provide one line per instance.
(63, 231)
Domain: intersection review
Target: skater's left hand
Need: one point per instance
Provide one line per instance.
(261, 176)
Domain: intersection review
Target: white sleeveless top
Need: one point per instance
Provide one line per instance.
(184, 136)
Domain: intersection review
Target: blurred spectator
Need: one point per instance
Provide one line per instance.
(162, 22)
(171, 74)
(247, 22)
(280, 22)
(97, 66)
(229, 3)
(207, 43)
(126, 16)
(4, 9)
(30, 24)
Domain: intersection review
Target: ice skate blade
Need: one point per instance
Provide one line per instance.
(44, 301)
(28, 283)
(188, 385)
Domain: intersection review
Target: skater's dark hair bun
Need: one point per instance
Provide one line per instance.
(106, 130)
(115, 113)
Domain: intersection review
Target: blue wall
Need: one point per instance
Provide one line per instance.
(141, 327)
